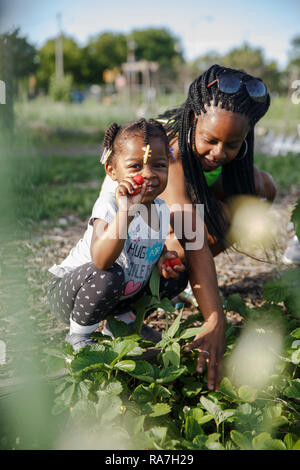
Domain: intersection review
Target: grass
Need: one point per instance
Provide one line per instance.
(91, 118)
(282, 116)
(285, 170)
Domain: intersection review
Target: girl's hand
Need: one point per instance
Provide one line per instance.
(129, 193)
(169, 265)
(211, 346)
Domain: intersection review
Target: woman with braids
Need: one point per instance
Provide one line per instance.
(125, 238)
(212, 139)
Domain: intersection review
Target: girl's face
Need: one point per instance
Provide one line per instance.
(219, 135)
(130, 162)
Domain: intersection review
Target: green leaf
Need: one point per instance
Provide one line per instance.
(212, 442)
(260, 440)
(191, 332)
(121, 348)
(236, 303)
(143, 394)
(169, 374)
(118, 328)
(154, 282)
(293, 391)
(192, 427)
(86, 358)
(297, 445)
(296, 333)
(295, 357)
(166, 305)
(143, 371)
(159, 409)
(174, 327)
(247, 393)
(191, 389)
(290, 440)
(172, 355)
(275, 291)
(108, 407)
(240, 440)
(125, 365)
(83, 410)
(274, 444)
(295, 218)
(159, 433)
(113, 387)
(218, 414)
(227, 389)
(59, 407)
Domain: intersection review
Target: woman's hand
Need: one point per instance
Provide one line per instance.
(169, 265)
(211, 346)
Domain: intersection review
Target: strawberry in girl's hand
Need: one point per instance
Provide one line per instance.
(172, 262)
(138, 179)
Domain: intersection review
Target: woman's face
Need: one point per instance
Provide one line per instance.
(219, 135)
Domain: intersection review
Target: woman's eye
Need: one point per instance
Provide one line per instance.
(233, 146)
(210, 141)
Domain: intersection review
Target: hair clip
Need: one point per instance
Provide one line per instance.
(171, 152)
(106, 153)
(147, 153)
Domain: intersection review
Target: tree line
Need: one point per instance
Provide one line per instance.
(109, 50)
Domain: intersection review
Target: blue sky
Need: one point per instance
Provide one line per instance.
(200, 25)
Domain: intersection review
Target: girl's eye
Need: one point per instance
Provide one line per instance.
(136, 165)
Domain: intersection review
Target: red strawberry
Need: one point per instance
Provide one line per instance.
(172, 262)
(138, 179)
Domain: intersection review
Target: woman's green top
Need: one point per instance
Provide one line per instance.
(212, 176)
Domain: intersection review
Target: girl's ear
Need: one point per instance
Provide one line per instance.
(110, 171)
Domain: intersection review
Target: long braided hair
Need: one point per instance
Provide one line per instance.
(115, 135)
(238, 177)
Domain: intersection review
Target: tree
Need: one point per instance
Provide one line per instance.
(252, 61)
(106, 51)
(294, 54)
(157, 45)
(72, 61)
(23, 56)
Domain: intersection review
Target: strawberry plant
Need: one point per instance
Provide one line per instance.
(165, 404)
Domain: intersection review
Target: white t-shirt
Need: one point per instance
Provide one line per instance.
(142, 248)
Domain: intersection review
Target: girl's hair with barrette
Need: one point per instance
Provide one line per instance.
(116, 135)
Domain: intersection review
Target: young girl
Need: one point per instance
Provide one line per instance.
(109, 268)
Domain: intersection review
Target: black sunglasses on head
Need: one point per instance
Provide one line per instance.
(231, 83)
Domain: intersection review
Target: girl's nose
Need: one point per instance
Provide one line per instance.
(147, 172)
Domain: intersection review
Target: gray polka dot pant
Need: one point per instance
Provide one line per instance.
(88, 294)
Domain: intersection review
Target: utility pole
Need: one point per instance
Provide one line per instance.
(59, 52)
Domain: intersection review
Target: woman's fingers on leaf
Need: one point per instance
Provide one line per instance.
(211, 372)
